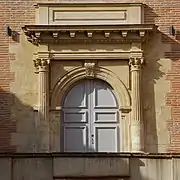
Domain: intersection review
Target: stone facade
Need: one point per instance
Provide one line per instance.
(143, 74)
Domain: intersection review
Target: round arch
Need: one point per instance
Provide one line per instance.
(77, 74)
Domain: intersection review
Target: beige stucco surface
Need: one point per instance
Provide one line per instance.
(155, 87)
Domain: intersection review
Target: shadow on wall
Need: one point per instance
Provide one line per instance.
(160, 50)
(156, 86)
(151, 73)
(7, 126)
(18, 125)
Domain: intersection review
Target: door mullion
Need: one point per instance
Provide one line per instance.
(88, 90)
(93, 138)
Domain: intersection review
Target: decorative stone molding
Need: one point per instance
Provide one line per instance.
(136, 63)
(55, 34)
(124, 33)
(41, 61)
(127, 33)
(63, 85)
(107, 34)
(90, 69)
(96, 55)
(90, 34)
(41, 64)
(72, 34)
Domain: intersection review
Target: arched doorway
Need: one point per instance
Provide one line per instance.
(90, 118)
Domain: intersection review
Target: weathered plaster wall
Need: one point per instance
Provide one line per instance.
(25, 90)
(155, 87)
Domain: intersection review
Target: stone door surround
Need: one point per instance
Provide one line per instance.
(90, 23)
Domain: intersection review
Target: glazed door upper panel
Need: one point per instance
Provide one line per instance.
(90, 118)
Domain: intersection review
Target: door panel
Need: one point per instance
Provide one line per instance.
(106, 139)
(76, 139)
(75, 116)
(105, 116)
(103, 96)
(77, 97)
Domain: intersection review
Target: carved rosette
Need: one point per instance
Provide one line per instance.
(90, 69)
(136, 63)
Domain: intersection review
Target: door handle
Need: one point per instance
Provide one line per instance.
(92, 138)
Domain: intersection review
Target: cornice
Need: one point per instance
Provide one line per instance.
(85, 3)
(125, 33)
(120, 27)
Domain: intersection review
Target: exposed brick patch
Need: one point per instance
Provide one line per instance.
(14, 13)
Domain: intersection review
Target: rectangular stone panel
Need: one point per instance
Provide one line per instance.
(93, 166)
(32, 169)
(88, 17)
(5, 169)
(151, 169)
(89, 13)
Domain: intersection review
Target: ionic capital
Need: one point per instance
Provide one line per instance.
(41, 64)
(136, 63)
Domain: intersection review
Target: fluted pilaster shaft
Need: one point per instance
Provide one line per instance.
(42, 66)
(136, 118)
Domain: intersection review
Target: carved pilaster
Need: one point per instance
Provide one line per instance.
(42, 67)
(136, 119)
(90, 69)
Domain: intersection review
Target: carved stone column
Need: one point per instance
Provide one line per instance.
(136, 118)
(42, 67)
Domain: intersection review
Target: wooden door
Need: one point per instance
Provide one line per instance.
(90, 118)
